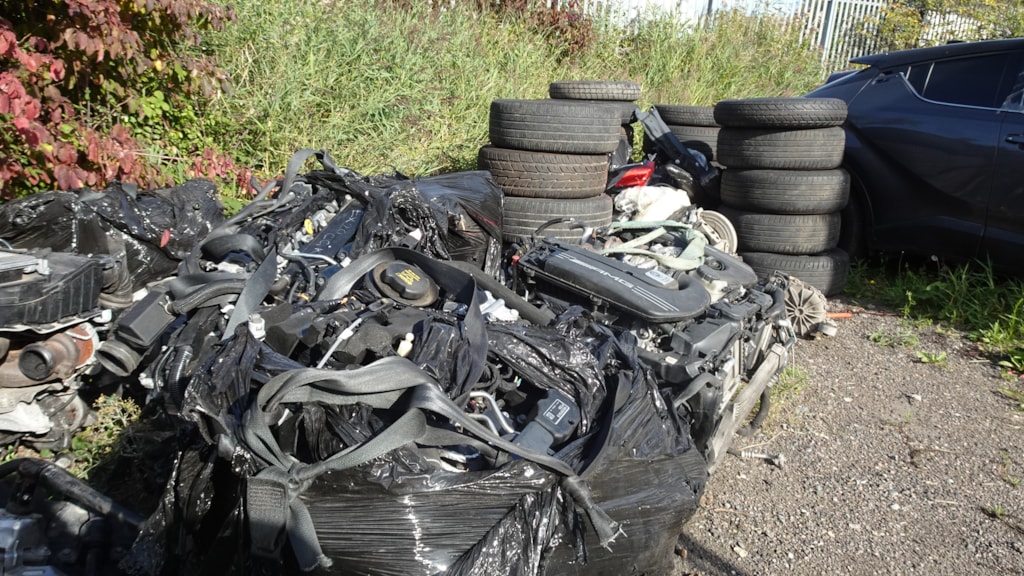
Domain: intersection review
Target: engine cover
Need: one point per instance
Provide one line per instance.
(646, 294)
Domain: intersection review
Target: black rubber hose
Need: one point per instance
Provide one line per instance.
(201, 296)
(118, 357)
(176, 379)
(526, 310)
(63, 482)
(762, 413)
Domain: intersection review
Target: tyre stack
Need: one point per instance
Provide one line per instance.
(694, 126)
(783, 188)
(550, 157)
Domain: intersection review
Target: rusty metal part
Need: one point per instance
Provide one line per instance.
(56, 358)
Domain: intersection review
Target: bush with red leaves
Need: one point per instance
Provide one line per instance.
(66, 64)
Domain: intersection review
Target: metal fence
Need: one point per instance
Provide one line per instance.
(842, 29)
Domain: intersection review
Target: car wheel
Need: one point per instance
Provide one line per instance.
(826, 271)
(786, 191)
(781, 149)
(680, 115)
(703, 139)
(594, 90)
(781, 113)
(562, 126)
(545, 174)
(522, 216)
(785, 233)
(719, 230)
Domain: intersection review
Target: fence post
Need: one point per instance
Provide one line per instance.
(826, 27)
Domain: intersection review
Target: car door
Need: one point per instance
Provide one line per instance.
(1004, 231)
(934, 125)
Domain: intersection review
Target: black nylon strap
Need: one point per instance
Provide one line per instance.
(253, 293)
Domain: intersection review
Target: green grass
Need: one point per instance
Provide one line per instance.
(383, 87)
(968, 297)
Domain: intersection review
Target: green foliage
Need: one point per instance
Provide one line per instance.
(903, 337)
(400, 84)
(735, 55)
(970, 297)
(911, 23)
(99, 440)
(81, 81)
(932, 357)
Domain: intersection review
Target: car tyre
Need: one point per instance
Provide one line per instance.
(522, 216)
(594, 90)
(797, 113)
(781, 149)
(680, 115)
(786, 191)
(529, 174)
(784, 233)
(560, 126)
(826, 271)
(703, 139)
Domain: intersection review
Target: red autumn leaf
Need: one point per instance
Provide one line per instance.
(8, 43)
(32, 108)
(21, 123)
(57, 70)
(5, 103)
(65, 176)
(30, 61)
(66, 153)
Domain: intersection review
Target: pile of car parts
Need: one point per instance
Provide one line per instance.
(355, 375)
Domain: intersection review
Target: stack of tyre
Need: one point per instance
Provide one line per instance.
(694, 126)
(782, 186)
(550, 157)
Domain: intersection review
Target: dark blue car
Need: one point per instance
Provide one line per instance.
(935, 148)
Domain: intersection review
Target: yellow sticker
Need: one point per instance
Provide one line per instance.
(408, 276)
(308, 226)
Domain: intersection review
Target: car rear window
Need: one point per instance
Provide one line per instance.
(974, 81)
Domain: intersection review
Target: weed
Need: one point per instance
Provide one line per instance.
(790, 384)
(404, 85)
(969, 297)
(932, 357)
(994, 511)
(903, 337)
(1004, 470)
(97, 441)
(1014, 395)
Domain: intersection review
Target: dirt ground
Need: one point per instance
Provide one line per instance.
(895, 462)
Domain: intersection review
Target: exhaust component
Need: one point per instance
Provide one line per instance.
(60, 355)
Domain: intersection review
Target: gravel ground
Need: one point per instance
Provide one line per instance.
(892, 465)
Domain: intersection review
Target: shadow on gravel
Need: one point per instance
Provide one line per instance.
(703, 561)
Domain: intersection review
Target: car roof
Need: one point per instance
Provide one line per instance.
(953, 49)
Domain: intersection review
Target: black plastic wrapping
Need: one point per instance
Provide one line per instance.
(147, 231)
(548, 360)
(404, 515)
(452, 217)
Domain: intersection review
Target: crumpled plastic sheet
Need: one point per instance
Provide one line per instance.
(458, 216)
(404, 516)
(150, 230)
(548, 360)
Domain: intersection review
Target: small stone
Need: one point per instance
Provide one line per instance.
(740, 551)
(894, 506)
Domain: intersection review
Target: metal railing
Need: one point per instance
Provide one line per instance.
(842, 29)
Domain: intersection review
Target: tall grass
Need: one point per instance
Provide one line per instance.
(382, 87)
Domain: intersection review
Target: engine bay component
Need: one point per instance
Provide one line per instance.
(47, 288)
(647, 294)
